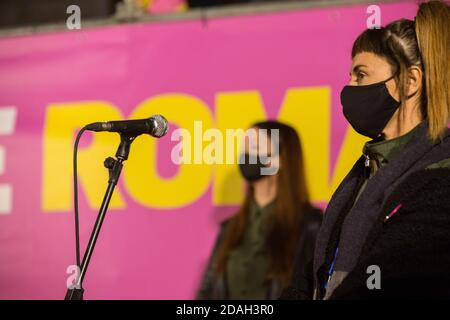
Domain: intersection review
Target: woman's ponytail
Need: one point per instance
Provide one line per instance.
(433, 36)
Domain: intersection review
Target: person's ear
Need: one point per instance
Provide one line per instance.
(415, 75)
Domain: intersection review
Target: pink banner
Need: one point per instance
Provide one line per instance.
(226, 73)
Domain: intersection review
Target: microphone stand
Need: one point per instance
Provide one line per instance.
(114, 167)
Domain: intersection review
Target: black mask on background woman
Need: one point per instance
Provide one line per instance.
(251, 171)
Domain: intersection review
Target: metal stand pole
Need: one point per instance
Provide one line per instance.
(115, 168)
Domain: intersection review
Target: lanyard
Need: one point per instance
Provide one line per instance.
(330, 271)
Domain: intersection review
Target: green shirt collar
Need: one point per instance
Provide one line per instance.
(385, 150)
(257, 211)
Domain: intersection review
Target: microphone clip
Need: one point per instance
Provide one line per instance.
(124, 147)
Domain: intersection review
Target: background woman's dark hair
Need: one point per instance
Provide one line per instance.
(425, 43)
(290, 202)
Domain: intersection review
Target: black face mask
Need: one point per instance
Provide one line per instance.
(251, 171)
(368, 108)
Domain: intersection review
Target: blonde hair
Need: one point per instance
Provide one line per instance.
(433, 36)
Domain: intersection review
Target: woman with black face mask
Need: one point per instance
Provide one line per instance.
(386, 231)
(275, 227)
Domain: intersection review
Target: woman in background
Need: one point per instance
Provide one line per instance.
(254, 254)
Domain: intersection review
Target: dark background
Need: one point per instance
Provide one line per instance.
(17, 13)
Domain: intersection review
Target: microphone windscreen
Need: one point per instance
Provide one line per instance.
(160, 125)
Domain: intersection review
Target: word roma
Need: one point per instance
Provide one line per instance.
(227, 309)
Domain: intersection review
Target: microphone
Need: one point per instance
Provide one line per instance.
(156, 126)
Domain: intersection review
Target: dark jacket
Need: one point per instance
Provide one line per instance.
(412, 248)
(399, 224)
(302, 283)
(214, 287)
